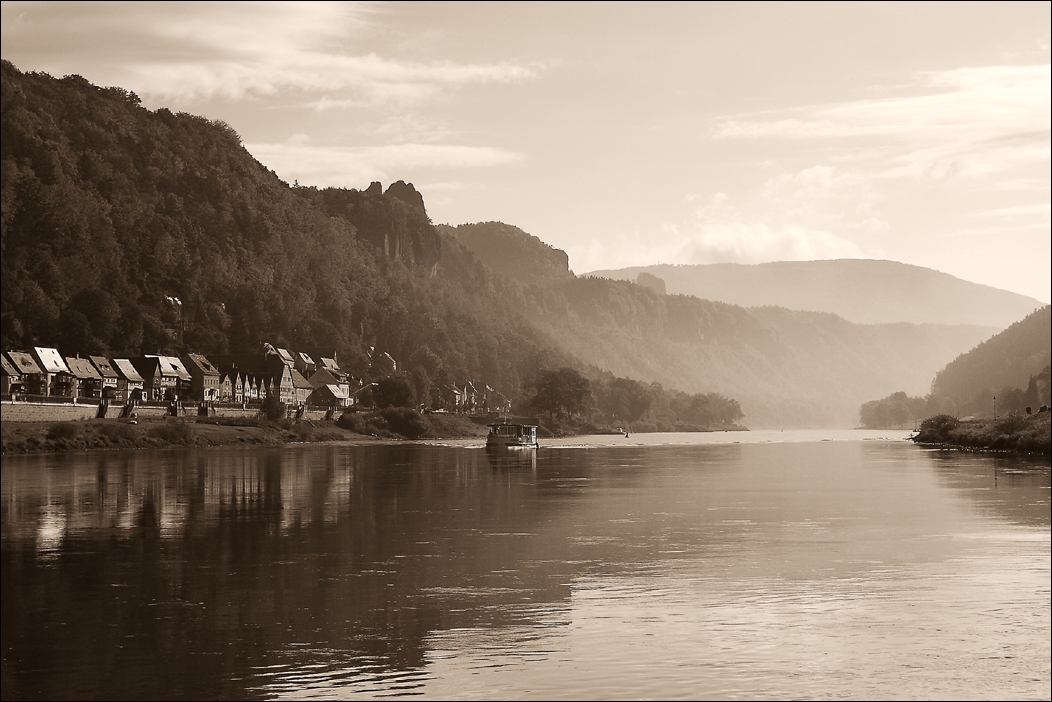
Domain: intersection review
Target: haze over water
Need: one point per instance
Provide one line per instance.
(752, 564)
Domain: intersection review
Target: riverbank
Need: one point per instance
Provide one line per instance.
(111, 434)
(1016, 433)
(390, 425)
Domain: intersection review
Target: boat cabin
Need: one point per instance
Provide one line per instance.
(512, 435)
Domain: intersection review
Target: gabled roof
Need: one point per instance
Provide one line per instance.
(272, 350)
(298, 381)
(126, 370)
(103, 366)
(305, 359)
(325, 352)
(325, 376)
(24, 362)
(50, 360)
(179, 368)
(170, 365)
(202, 364)
(340, 392)
(9, 367)
(82, 368)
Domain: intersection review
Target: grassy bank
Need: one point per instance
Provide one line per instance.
(393, 424)
(109, 434)
(1014, 432)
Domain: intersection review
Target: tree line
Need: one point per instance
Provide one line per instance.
(565, 395)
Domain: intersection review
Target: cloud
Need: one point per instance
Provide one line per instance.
(793, 221)
(759, 242)
(193, 51)
(736, 241)
(799, 216)
(1042, 210)
(987, 101)
(967, 122)
(334, 166)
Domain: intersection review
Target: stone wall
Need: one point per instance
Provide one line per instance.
(250, 411)
(67, 412)
(44, 412)
(113, 411)
(148, 411)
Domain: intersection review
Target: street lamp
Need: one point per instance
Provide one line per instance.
(995, 408)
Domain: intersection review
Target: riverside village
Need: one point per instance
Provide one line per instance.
(42, 385)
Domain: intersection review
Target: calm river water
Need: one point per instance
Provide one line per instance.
(758, 564)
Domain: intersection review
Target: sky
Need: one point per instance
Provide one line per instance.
(625, 134)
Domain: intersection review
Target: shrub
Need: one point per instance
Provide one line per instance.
(353, 421)
(302, 431)
(173, 432)
(118, 431)
(274, 409)
(63, 430)
(405, 421)
(937, 429)
(328, 435)
(231, 421)
(1011, 424)
(394, 391)
(393, 422)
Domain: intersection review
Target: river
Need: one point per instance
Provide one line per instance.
(797, 564)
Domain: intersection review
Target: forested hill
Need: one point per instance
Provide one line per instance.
(1012, 366)
(128, 231)
(1009, 360)
(863, 291)
(511, 252)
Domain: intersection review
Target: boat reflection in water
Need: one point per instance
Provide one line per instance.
(512, 460)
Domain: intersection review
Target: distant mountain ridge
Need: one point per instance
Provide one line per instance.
(786, 367)
(859, 290)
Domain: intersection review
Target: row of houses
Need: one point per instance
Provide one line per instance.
(468, 398)
(295, 379)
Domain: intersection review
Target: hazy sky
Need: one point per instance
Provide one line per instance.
(626, 134)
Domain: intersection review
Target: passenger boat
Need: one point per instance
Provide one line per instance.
(512, 436)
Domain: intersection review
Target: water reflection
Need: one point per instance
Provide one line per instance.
(195, 566)
(1012, 488)
(333, 569)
